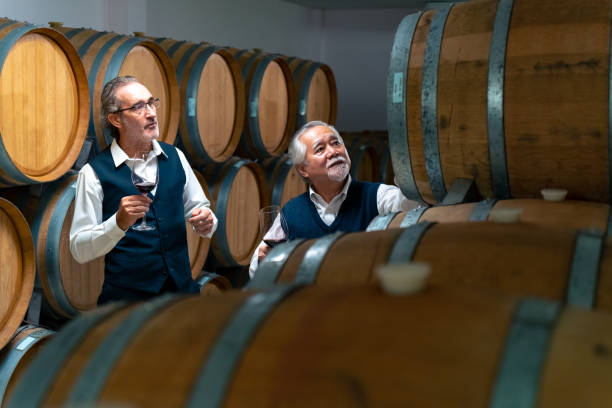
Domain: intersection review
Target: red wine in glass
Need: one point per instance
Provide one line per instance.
(274, 242)
(144, 177)
(144, 187)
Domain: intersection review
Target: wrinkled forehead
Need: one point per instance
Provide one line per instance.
(318, 135)
(132, 93)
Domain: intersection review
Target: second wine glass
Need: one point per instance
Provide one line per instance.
(144, 178)
(267, 217)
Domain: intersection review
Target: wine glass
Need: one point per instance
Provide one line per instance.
(267, 217)
(144, 178)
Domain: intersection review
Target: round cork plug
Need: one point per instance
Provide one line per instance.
(403, 278)
(554, 194)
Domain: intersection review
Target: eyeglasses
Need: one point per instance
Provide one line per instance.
(139, 107)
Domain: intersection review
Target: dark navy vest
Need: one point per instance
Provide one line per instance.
(143, 260)
(356, 212)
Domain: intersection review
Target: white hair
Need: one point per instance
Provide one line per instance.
(297, 148)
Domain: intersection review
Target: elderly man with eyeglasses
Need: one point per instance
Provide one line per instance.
(138, 264)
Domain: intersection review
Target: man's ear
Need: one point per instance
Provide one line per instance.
(302, 170)
(113, 118)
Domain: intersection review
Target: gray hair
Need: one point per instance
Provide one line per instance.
(110, 103)
(297, 148)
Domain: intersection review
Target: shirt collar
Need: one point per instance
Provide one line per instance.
(315, 196)
(119, 156)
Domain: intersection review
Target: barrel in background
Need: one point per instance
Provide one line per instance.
(17, 269)
(106, 55)
(17, 355)
(317, 96)
(283, 180)
(237, 192)
(571, 213)
(513, 94)
(44, 106)
(271, 104)
(212, 100)
(69, 288)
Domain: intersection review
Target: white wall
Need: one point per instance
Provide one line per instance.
(356, 44)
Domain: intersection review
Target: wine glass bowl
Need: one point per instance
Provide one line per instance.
(267, 218)
(144, 177)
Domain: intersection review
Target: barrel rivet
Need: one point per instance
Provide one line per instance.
(403, 278)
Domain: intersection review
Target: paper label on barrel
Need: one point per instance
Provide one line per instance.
(23, 344)
(191, 107)
(398, 85)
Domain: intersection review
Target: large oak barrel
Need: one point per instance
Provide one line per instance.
(271, 104)
(525, 259)
(68, 287)
(212, 100)
(17, 269)
(571, 213)
(283, 180)
(44, 106)
(237, 192)
(17, 355)
(106, 55)
(511, 93)
(317, 96)
(330, 347)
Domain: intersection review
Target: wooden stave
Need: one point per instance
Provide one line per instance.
(437, 314)
(12, 174)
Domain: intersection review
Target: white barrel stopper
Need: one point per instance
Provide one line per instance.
(403, 278)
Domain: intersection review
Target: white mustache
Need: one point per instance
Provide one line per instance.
(335, 160)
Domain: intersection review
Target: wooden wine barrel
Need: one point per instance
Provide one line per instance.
(44, 106)
(317, 96)
(271, 104)
(16, 356)
(69, 288)
(237, 192)
(487, 90)
(524, 259)
(106, 55)
(212, 100)
(364, 158)
(357, 347)
(571, 214)
(283, 180)
(197, 245)
(17, 269)
(212, 284)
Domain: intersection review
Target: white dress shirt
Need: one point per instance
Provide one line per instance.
(388, 199)
(90, 237)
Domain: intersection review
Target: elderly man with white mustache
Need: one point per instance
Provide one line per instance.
(333, 202)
